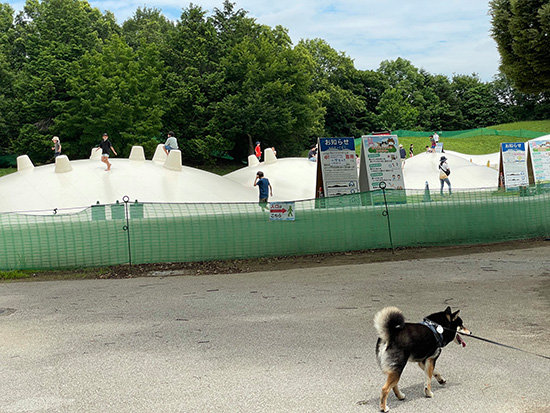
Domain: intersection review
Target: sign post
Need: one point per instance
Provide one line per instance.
(337, 167)
(381, 162)
(513, 165)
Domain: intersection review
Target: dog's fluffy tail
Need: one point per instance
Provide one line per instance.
(387, 321)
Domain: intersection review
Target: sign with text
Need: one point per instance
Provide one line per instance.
(338, 167)
(380, 162)
(539, 154)
(282, 211)
(513, 165)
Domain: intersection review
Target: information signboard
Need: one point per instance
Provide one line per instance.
(338, 165)
(380, 162)
(513, 165)
(539, 154)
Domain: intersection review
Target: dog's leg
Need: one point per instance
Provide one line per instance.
(398, 393)
(440, 379)
(391, 382)
(428, 369)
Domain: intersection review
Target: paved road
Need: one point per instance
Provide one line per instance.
(281, 341)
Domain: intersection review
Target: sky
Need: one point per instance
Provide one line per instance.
(441, 36)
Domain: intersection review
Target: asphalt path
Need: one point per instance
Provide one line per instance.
(276, 341)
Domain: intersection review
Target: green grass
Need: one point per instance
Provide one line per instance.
(479, 145)
(533, 125)
(6, 171)
(53, 275)
(15, 275)
(475, 145)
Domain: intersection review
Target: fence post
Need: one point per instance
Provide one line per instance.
(126, 227)
(386, 213)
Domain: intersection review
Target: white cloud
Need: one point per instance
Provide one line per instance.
(442, 36)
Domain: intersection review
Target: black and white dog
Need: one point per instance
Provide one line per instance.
(400, 342)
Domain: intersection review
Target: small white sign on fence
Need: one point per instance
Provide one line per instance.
(281, 211)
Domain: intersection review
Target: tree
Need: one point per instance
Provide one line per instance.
(267, 95)
(521, 29)
(340, 88)
(114, 90)
(520, 106)
(193, 85)
(147, 26)
(395, 111)
(402, 73)
(417, 89)
(7, 77)
(33, 143)
(6, 101)
(50, 36)
(477, 102)
(440, 108)
(232, 26)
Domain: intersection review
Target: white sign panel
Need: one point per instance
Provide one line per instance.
(339, 166)
(540, 160)
(282, 211)
(380, 162)
(514, 164)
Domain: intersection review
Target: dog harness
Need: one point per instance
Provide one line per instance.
(436, 329)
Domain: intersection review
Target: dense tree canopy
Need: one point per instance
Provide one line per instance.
(521, 29)
(221, 81)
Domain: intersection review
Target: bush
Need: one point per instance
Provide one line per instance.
(34, 144)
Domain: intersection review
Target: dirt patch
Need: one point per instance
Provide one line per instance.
(283, 263)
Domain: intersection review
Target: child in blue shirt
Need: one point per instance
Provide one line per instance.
(264, 187)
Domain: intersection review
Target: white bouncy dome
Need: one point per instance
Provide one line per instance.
(81, 183)
(78, 184)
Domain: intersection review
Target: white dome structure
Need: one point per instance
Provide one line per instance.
(464, 174)
(291, 178)
(79, 184)
(295, 178)
(490, 159)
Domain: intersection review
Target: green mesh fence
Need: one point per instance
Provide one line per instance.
(518, 133)
(101, 235)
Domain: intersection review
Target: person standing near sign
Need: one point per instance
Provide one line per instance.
(444, 172)
(312, 154)
(403, 155)
(264, 186)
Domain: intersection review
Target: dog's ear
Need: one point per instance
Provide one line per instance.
(448, 313)
(455, 315)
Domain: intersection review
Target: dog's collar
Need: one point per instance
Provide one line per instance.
(436, 329)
